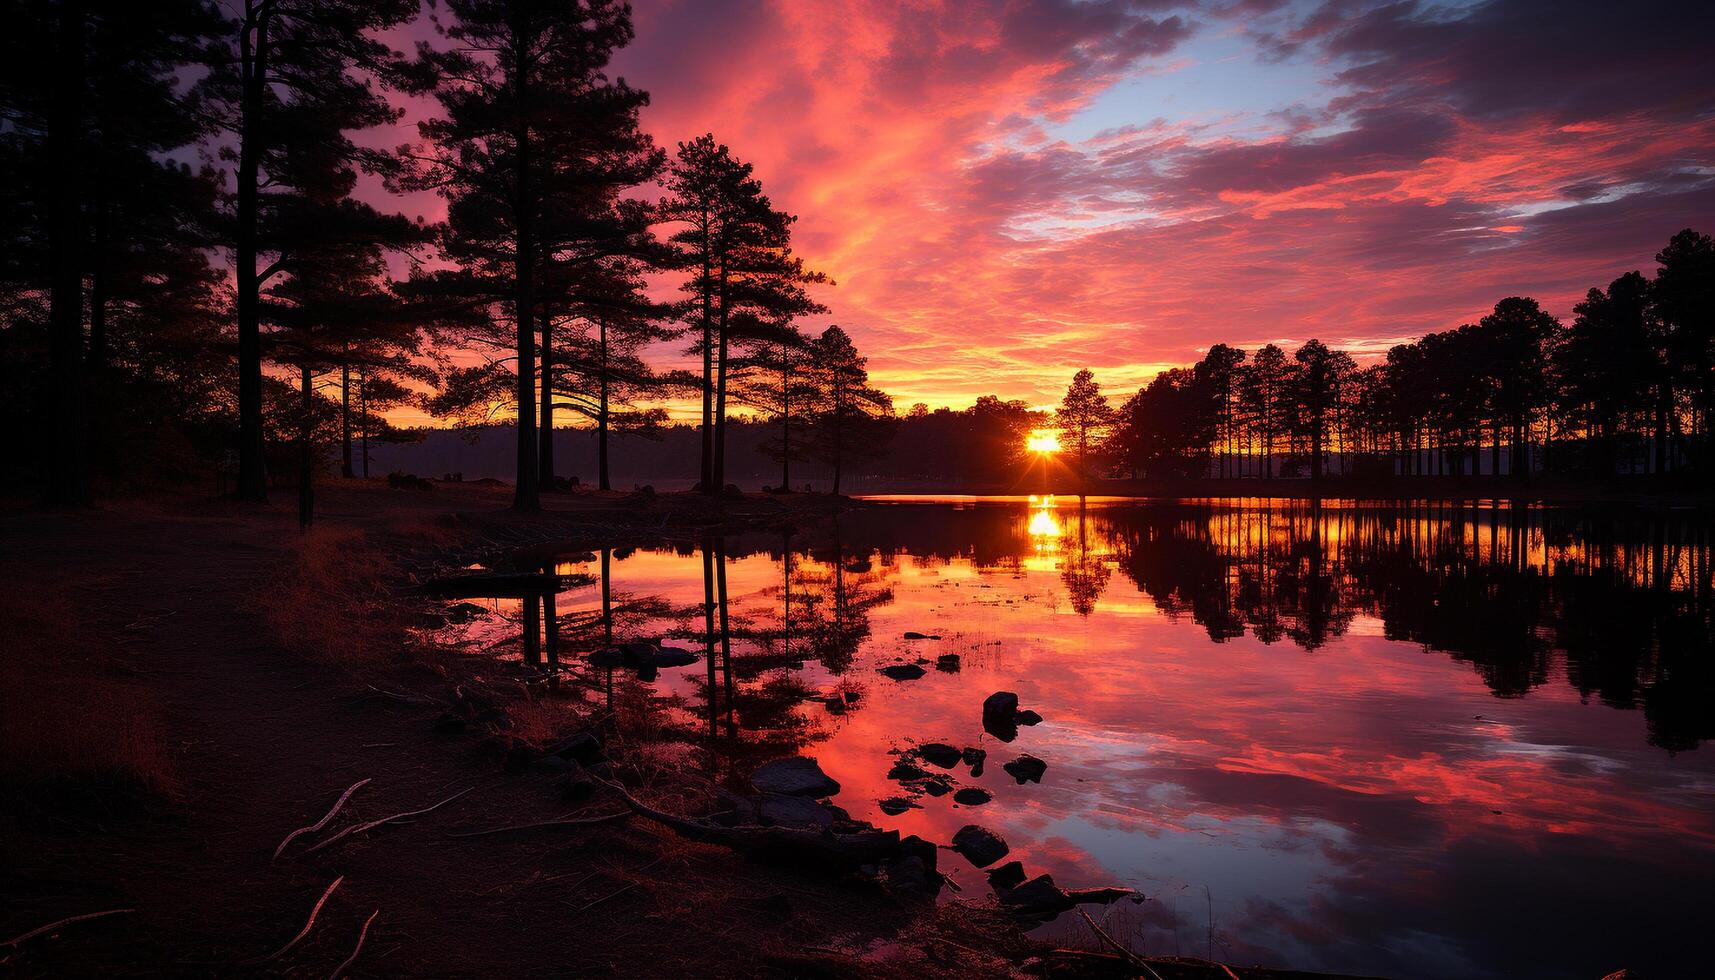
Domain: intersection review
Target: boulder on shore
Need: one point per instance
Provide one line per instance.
(794, 776)
(979, 845)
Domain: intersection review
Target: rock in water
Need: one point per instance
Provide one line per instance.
(940, 754)
(893, 806)
(947, 663)
(979, 845)
(914, 635)
(795, 811)
(1039, 897)
(1004, 876)
(903, 770)
(903, 672)
(1026, 769)
(1027, 717)
(796, 776)
(999, 711)
(972, 796)
(974, 757)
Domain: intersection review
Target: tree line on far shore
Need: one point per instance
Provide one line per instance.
(1627, 388)
(195, 268)
(195, 264)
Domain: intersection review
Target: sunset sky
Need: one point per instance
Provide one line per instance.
(1008, 191)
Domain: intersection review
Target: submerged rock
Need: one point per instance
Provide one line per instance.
(893, 806)
(1026, 769)
(903, 672)
(974, 757)
(795, 776)
(1004, 876)
(904, 770)
(979, 845)
(947, 663)
(972, 796)
(940, 754)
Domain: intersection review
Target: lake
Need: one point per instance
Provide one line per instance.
(1416, 739)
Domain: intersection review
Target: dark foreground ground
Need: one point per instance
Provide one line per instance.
(188, 680)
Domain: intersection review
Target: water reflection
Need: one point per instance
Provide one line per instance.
(1430, 739)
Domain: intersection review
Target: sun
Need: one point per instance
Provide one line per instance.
(1043, 441)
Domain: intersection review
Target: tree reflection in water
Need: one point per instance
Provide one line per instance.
(1183, 738)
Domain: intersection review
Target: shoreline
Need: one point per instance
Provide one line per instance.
(183, 599)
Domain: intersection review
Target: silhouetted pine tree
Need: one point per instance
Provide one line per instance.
(289, 72)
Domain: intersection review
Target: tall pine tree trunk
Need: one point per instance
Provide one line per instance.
(545, 451)
(363, 420)
(708, 473)
(306, 493)
(252, 465)
(525, 495)
(785, 420)
(602, 480)
(67, 471)
(345, 419)
(720, 393)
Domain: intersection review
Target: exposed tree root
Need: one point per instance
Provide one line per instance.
(50, 927)
(361, 936)
(308, 925)
(323, 822)
(371, 825)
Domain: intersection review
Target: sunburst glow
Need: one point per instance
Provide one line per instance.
(1043, 441)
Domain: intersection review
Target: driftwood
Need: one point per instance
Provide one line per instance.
(323, 822)
(823, 846)
(308, 925)
(57, 923)
(371, 825)
(566, 822)
(361, 936)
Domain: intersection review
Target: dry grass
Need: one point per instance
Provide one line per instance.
(74, 734)
(333, 602)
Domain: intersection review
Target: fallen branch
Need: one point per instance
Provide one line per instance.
(1130, 957)
(371, 825)
(50, 927)
(568, 822)
(361, 936)
(405, 698)
(323, 822)
(301, 932)
(842, 850)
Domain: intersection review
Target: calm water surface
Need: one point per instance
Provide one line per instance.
(1425, 740)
